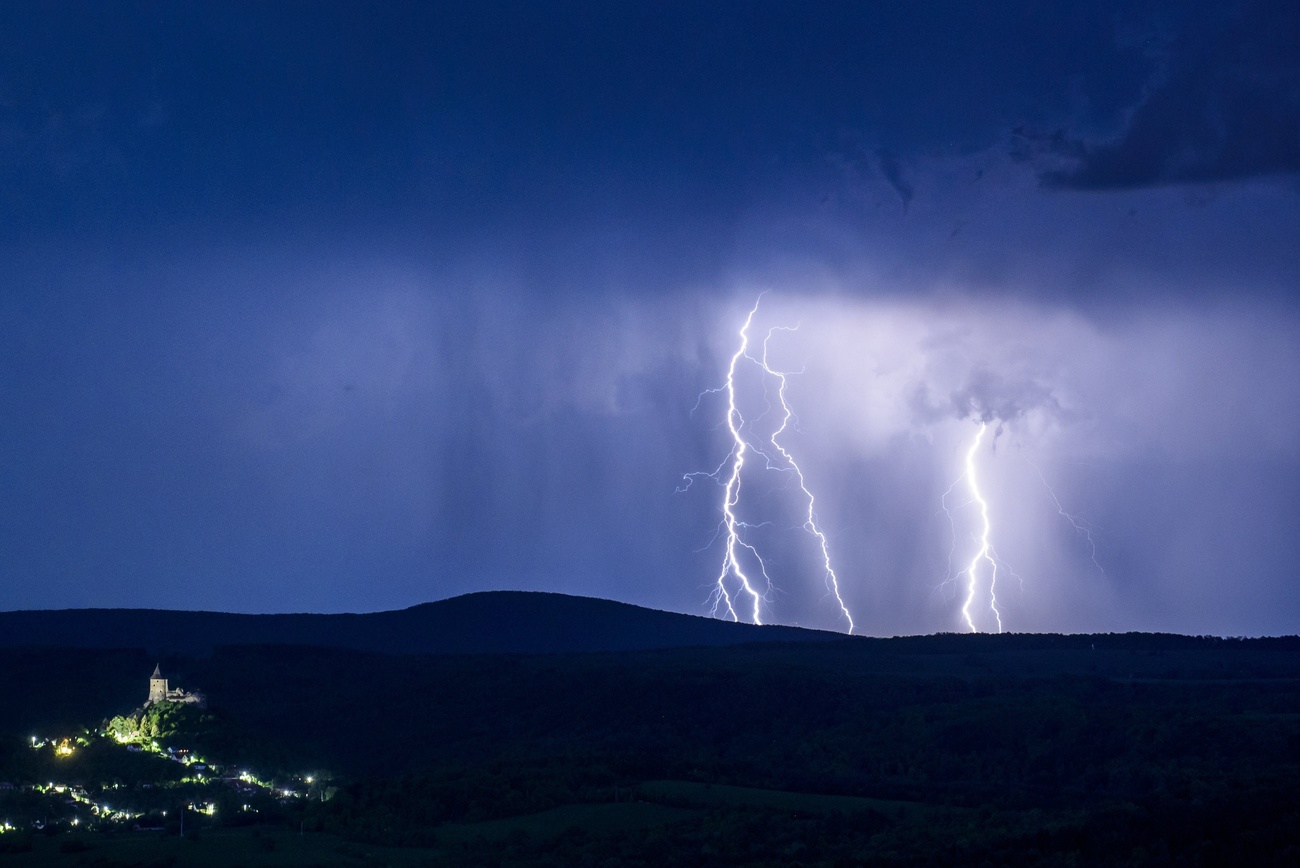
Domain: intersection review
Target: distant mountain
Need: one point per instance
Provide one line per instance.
(491, 622)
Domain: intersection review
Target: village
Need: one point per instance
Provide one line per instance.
(123, 775)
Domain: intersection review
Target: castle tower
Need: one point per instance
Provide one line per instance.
(157, 686)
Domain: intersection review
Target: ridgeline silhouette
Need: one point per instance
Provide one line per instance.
(490, 622)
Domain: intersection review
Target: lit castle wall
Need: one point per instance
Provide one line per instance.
(159, 691)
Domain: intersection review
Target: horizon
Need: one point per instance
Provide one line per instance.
(697, 615)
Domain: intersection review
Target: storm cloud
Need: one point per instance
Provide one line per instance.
(353, 307)
(1227, 108)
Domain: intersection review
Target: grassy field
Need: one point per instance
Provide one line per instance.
(692, 794)
(592, 819)
(264, 848)
(259, 848)
(661, 802)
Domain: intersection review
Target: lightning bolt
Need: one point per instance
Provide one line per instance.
(745, 591)
(810, 522)
(731, 527)
(731, 565)
(984, 553)
(1081, 527)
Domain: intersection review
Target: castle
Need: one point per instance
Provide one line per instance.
(160, 692)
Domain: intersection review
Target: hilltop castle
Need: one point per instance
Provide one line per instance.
(160, 692)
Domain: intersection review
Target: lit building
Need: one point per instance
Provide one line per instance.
(160, 691)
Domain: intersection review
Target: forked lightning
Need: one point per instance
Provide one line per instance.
(745, 591)
(984, 552)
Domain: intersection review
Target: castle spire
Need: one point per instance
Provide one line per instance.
(157, 686)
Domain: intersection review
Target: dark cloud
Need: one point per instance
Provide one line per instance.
(988, 396)
(1229, 109)
(985, 396)
(485, 113)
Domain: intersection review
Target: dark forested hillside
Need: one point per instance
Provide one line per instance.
(955, 749)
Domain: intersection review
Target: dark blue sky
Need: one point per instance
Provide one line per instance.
(351, 306)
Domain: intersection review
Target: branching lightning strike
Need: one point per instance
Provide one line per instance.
(746, 587)
(985, 554)
(810, 522)
(731, 564)
(1080, 526)
(985, 551)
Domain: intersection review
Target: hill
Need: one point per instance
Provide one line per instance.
(490, 622)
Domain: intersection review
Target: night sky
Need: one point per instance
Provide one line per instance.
(351, 306)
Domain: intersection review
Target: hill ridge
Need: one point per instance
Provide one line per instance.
(478, 622)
